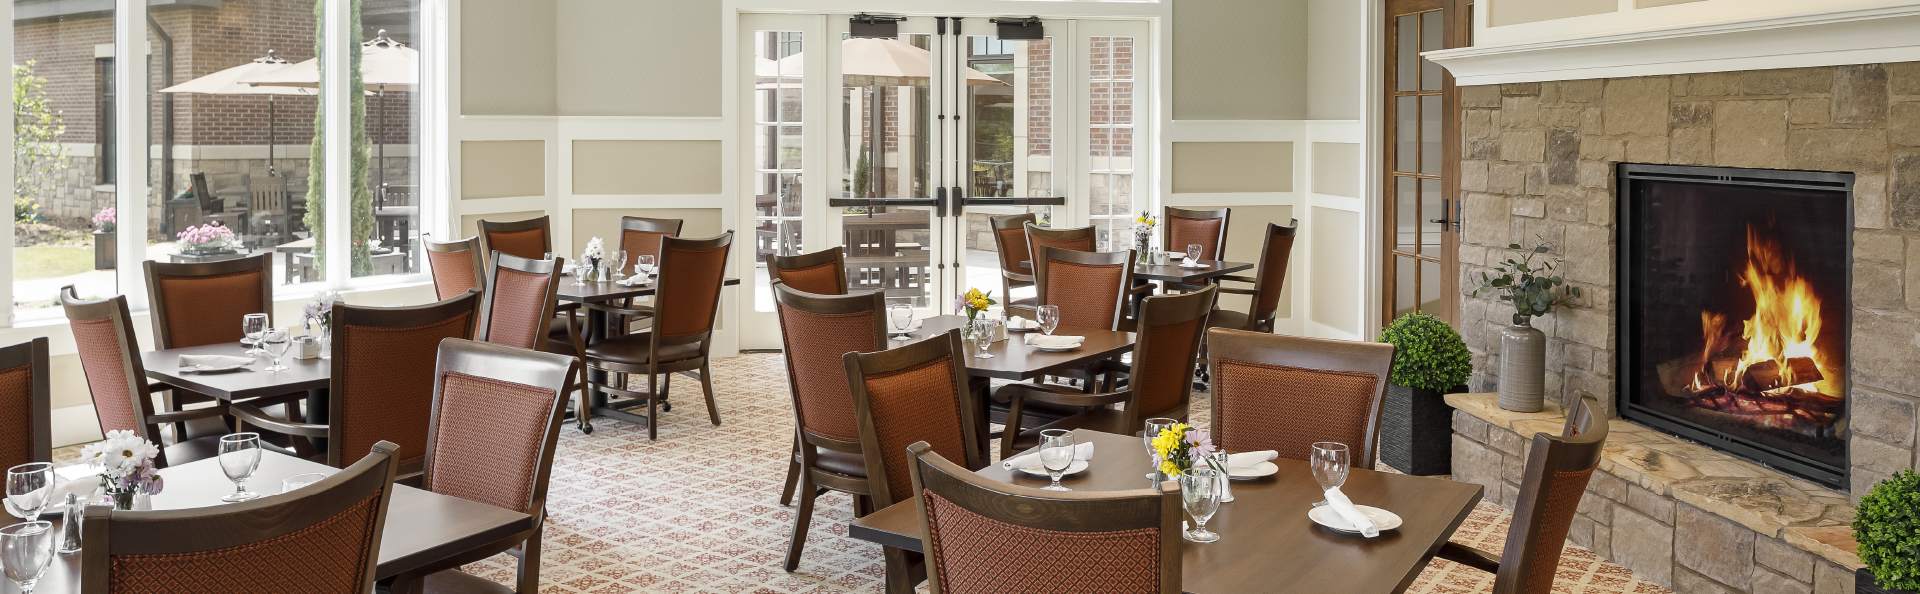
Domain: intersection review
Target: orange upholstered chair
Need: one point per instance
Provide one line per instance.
(1010, 244)
(821, 273)
(1267, 281)
(1078, 239)
(984, 535)
(1264, 384)
(496, 418)
(817, 331)
(519, 300)
(26, 420)
(202, 303)
(122, 398)
(640, 236)
(912, 393)
(530, 239)
(685, 309)
(1557, 471)
(1180, 228)
(382, 379)
(1090, 288)
(457, 266)
(324, 537)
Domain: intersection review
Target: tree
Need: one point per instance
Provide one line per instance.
(39, 162)
(360, 199)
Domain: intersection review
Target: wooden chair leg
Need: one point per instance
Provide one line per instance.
(583, 405)
(802, 519)
(793, 474)
(653, 407)
(901, 577)
(527, 581)
(706, 383)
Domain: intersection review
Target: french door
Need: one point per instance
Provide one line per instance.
(1422, 156)
(900, 148)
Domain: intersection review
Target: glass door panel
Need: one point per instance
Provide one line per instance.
(1111, 141)
(885, 141)
(1417, 217)
(1008, 138)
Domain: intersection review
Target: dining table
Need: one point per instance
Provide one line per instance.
(422, 527)
(1015, 360)
(312, 376)
(599, 326)
(1267, 543)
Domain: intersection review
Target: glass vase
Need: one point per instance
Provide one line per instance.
(122, 498)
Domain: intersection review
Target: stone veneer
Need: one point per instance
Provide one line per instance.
(1678, 514)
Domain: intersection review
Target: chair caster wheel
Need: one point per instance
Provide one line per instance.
(666, 407)
(586, 429)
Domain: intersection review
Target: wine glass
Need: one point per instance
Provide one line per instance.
(619, 263)
(1056, 454)
(900, 312)
(1200, 490)
(276, 341)
(1049, 318)
(983, 328)
(1329, 462)
(239, 457)
(644, 264)
(1193, 252)
(253, 324)
(25, 550)
(1154, 427)
(287, 485)
(29, 489)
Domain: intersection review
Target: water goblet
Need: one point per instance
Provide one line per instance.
(983, 329)
(287, 485)
(1049, 318)
(29, 489)
(1056, 454)
(253, 324)
(1154, 427)
(239, 457)
(1329, 462)
(619, 259)
(900, 312)
(1193, 252)
(644, 264)
(276, 342)
(1200, 491)
(25, 551)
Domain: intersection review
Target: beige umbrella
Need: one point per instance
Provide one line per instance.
(227, 82)
(384, 63)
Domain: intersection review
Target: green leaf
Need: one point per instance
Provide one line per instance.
(1429, 354)
(1887, 526)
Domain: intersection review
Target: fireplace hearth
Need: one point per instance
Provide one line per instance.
(1734, 311)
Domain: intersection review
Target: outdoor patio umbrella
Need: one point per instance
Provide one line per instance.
(384, 64)
(227, 82)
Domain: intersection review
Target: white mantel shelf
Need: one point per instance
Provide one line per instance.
(1824, 38)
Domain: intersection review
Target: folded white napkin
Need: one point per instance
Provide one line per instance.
(1081, 451)
(1055, 341)
(634, 281)
(1247, 459)
(1343, 506)
(212, 361)
(1020, 323)
(1191, 263)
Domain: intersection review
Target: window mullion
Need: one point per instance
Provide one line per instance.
(130, 69)
(336, 103)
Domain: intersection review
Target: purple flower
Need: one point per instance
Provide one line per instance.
(1199, 445)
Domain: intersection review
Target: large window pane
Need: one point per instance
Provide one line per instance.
(390, 65)
(63, 85)
(1110, 139)
(1010, 144)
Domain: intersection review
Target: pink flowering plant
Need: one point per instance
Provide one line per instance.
(124, 462)
(106, 221)
(208, 237)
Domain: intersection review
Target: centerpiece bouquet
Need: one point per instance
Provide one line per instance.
(125, 465)
(590, 259)
(107, 220)
(210, 237)
(973, 302)
(1143, 227)
(1182, 447)
(317, 316)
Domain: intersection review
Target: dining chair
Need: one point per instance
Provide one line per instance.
(1079, 239)
(1263, 384)
(983, 535)
(528, 239)
(122, 399)
(821, 273)
(202, 303)
(817, 330)
(686, 307)
(1010, 244)
(1267, 282)
(1092, 289)
(1557, 470)
(495, 423)
(640, 236)
(1159, 379)
(214, 209)
(270, 205)
(25, 397)
(324, 537)
(457, 266)
(1180, 227)
(912, 393)
(518, 302)
(381, 384)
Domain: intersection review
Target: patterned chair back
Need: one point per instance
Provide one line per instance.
(1010, 241)
(688, 302)
(527, 239)
(383, 381)
(520, 297)
(457, 266)
(817, 331)
(1079, 239)
(1165, 351)
(1265, 385)
(1181, 227)
(496, 418)
(979, 540)
(1558, 467)
(26, 421)
(821, 273)
(913, 393)
(640, 236)
(202, 303)
(110, 358)
(323, 539)
(1090, 288)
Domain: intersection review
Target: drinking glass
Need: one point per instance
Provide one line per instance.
(1193, 252)
(900, 312)
(644, 264)
(25, 550)
(1056, 454)
(1200, 490)
(1154, 427)
(287, 485)
(619, 263)
(1049, 318)
(1329, 462)
(29, 489)
(983, 328)
(276, 341)
(580, 268)
(239, 457)
(253, 324)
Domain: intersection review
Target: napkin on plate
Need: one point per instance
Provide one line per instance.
(1020, 323)
(633, 281)
(1248, 459)
(212, 361)
(1191, 263)
(1343, 506)
(1055, 341)
(1081, 451)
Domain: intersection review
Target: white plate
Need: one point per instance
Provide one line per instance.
(1058, 350)
(1076, 467)
(1196, 266)
(1240, 473)
(1325, 516)
(205, 369)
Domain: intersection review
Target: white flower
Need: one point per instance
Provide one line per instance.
(121, 455)
(595, 249)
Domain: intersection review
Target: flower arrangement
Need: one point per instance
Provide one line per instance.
(595, 249)
(125, 464)
(319, 310)
(974, 301)
(208, 237)
(1143, 227)
(107, 220)
(1182, 447)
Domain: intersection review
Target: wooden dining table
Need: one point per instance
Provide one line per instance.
(422, 527)
(1267, 544)
(1014, 360)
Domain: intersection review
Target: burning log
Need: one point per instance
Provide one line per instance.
(1768, 375)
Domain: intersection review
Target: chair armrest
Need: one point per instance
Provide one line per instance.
(248, 414)
(187, 415)
(1015, 276)
(1233, 291)
(618, 311)
(1144, 289)
(1470, 557)
(1015, 392)
(1238, 279)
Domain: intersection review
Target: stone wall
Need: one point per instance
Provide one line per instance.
(1539, 163)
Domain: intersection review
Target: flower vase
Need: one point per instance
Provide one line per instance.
(1140, 252)
(122, 498)
(1523, 368)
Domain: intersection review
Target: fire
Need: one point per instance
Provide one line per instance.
(1779, 353)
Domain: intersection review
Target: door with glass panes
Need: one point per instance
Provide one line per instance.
(1421, 216)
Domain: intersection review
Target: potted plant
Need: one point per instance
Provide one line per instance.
(1887, 526)
(1416, 425)
(1523, 348)
(211, 238)
(105, 247)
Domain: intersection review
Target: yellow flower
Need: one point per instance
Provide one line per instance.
(1168, 468)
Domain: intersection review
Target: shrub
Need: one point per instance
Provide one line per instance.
(1887, 525)
(1428, 354)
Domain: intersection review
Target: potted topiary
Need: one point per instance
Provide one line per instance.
(105, 248)
(1887, 526)
(1416, 425)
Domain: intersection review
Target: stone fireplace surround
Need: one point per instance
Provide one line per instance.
(1538, 162)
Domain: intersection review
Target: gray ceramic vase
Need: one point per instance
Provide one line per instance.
(1523, 368)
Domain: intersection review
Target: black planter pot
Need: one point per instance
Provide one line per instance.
(1865, 583)
(106, 250)
(1416, 430)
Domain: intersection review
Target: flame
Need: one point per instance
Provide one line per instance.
(1786, 319)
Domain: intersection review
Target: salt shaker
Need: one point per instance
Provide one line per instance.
(70, 525)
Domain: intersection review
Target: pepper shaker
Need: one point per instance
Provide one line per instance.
(70, 525)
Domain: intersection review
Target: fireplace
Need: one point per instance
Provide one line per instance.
(1734, 311)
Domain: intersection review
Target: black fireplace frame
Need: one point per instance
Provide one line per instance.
(1626, 175)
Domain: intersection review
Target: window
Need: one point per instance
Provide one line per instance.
(63, 110)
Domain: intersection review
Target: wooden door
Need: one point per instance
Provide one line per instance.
(1422, 189)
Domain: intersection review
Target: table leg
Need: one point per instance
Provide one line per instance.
(596, 331)
(982, 390)
(1139, 298)
(317, 412)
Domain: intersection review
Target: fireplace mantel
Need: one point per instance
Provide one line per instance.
(1823, 38)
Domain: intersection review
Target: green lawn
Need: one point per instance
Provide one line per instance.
(49, 262)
